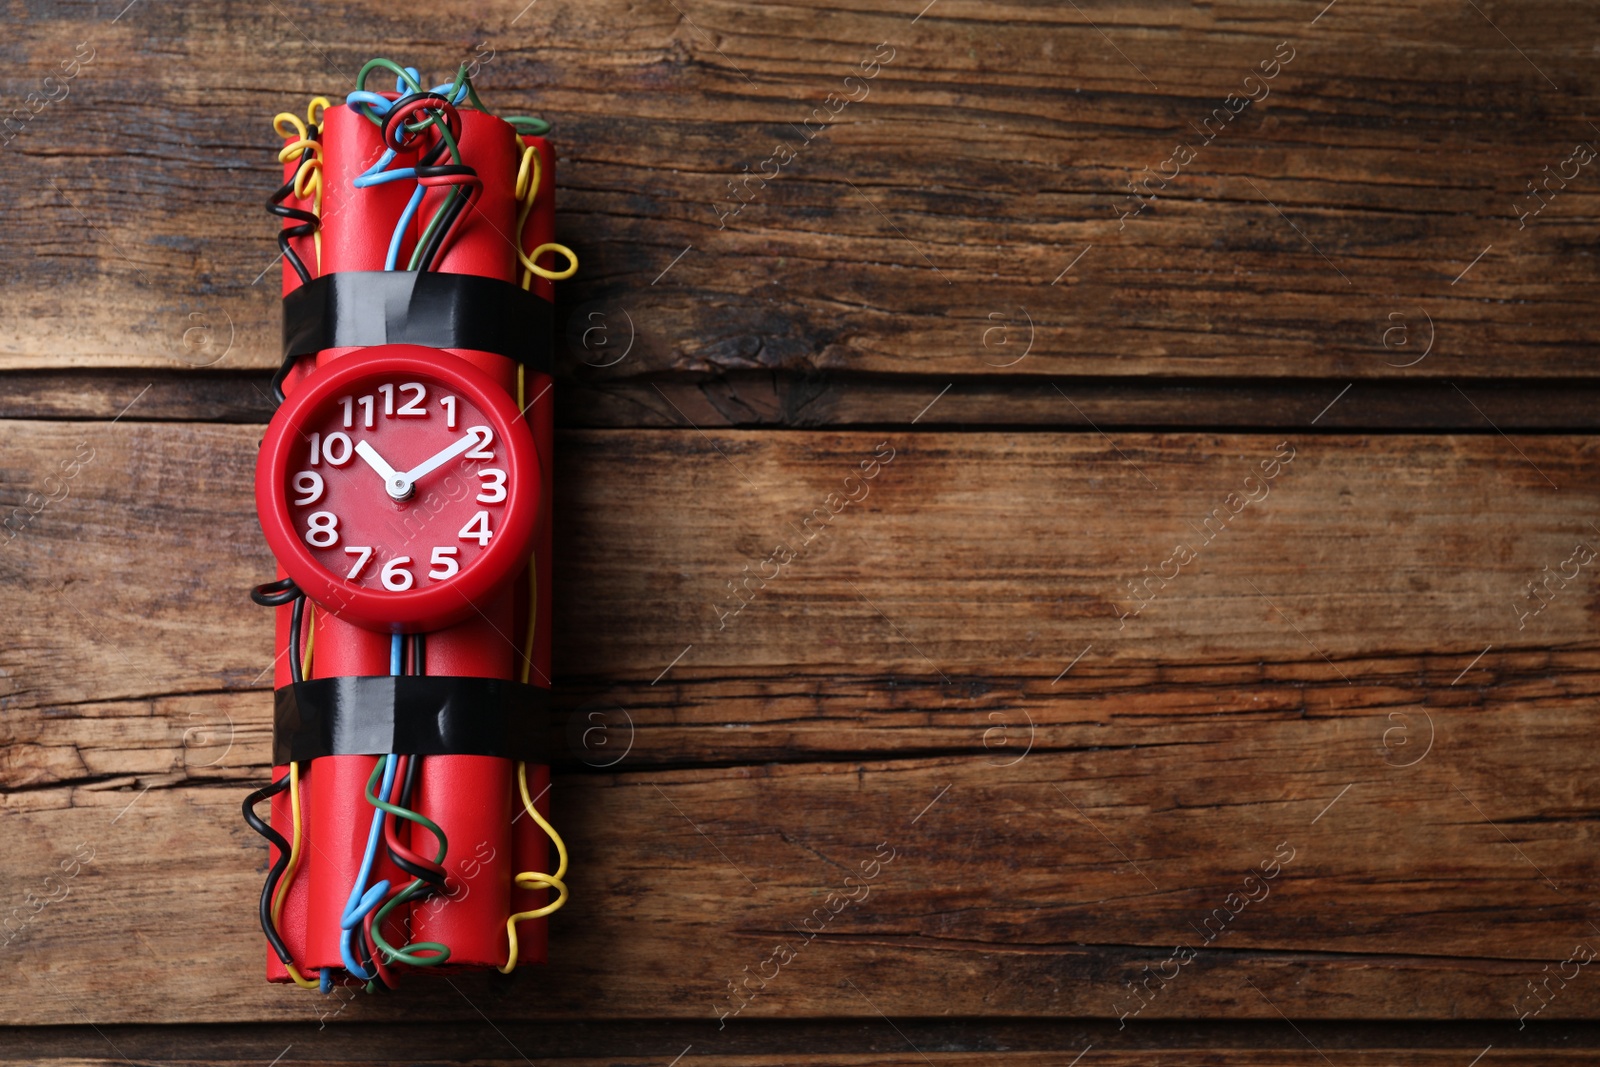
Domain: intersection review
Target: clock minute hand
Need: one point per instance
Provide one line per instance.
(428, 466)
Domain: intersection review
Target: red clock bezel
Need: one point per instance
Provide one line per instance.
(412, 610)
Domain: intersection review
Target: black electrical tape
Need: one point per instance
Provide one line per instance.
(413, 715)
(362, 308)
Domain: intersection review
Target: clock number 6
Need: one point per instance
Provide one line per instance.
(395, 577)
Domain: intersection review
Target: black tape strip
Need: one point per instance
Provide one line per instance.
(358, 309)
(429, 715)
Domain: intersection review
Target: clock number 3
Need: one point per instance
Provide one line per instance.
(494, 485)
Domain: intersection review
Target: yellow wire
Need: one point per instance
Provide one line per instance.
(308, 179)
(536, 879)
(288, 874)
(533, 879)
(528, 175)
(294, 806)
(311, 639)
(294, 123)
(546, 273)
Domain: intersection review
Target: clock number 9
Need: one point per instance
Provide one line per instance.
(322, 529)
(310, 484)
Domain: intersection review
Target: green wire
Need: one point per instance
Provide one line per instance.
(455, 154)
(533, 127)
(433, 224)
(523, 124)
(387, 64)
(406, 813)
(463, 78)
(407, 953)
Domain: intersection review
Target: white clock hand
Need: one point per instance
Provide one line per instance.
(476, 435)
(397, 484)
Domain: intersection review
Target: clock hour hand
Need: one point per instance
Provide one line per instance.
(397, 484)
(466, 444)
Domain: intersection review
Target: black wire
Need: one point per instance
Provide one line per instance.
(427, 167)
(296, 617)
(282, 376)
(431, 156)
(308, 221)
(309, 224)
(433, 880)
(364, 954)
(437, 240)
(275, 594)
(273, 875)
(393, 114)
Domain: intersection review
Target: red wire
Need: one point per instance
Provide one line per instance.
(391, 824)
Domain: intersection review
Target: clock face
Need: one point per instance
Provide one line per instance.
(397, 485)
(404, 486)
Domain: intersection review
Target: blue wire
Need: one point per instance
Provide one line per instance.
(377, 174)
(360, 903)
(392, 260)
(378, 105)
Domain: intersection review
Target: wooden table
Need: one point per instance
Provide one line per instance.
(1121, 473)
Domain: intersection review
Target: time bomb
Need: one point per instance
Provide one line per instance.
(403, 486)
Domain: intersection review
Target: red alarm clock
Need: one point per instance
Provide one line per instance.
(399, 488)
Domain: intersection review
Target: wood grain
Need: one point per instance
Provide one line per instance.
(656, 1043)
(1314, 682)
(1377, 184)
(968, 555)
(753, 400)
(1078, 715)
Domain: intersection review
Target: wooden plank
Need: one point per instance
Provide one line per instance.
(761, 400)
(967, 555)
(1287, 695)
(1375, 183)
(145, 395)
(657, 1042)
(1053, 889)
(1221, 1057)
(910, 1058)
(748, 400)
